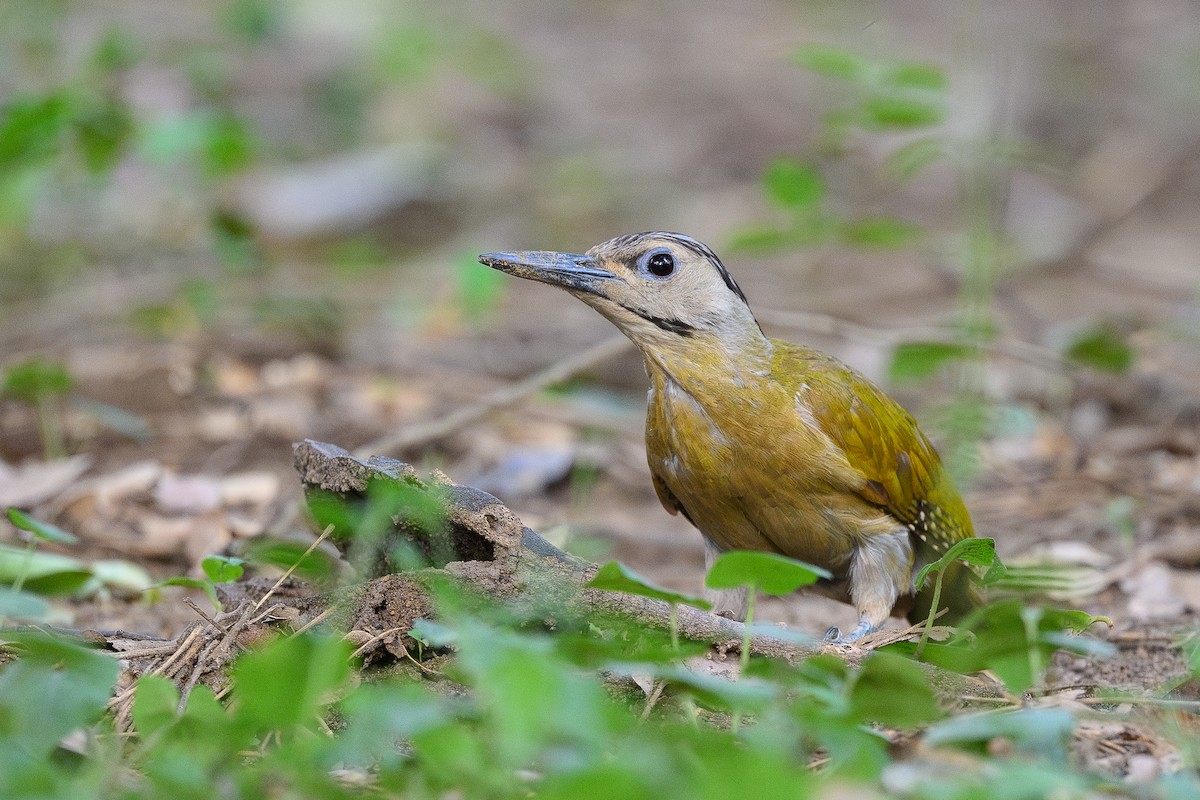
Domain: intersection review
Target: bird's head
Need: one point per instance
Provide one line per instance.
(660, 289)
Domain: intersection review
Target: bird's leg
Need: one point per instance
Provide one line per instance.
(729, 603)
(880, 570)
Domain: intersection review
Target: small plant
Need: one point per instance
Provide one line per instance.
(44, 386)
(217, 569)
(757, 571)
(978, 552)
(28, 574)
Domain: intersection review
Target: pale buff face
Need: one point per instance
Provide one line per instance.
(667, 286)
(665, 291)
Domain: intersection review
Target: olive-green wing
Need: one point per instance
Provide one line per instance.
(901, 472)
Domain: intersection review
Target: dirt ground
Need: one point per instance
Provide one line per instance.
(629, 117)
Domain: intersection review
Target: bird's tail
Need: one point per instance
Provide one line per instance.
(959, 596)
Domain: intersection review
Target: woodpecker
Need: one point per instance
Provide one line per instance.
(767, 445)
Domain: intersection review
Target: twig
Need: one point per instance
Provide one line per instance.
(652, 700)
(1160, 702)
(328, 530)
(424, 432)
(828, 325)
(361, 650)
(146, 652)
(183, 645)
(317, 620)
(266, 613)
(216, 626)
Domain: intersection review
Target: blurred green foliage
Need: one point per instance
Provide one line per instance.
(529, 715)
(906, 101)
(1103, 348)
(44, 386)
(28, 574)
(537, 700)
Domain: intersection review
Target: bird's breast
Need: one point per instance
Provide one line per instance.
(749, 473)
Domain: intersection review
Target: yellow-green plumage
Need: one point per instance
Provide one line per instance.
(764, 444)
(806, 458)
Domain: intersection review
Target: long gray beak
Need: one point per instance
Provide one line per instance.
(568, 270)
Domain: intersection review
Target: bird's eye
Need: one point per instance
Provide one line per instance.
(659, 263)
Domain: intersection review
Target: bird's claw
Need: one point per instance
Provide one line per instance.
(834, 634)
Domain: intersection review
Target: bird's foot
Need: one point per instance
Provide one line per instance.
(834, 634)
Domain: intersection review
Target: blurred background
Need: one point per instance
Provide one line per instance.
(226, 225)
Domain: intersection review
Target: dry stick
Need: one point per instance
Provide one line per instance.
(431, 430)
(317, 620)
(145, 652)
(201, 660)
(268, 611)
(1161, 702)
(652, 700)
(828, 325)
(192, 605)
(183, 645)
(426, 431)
(328, 530)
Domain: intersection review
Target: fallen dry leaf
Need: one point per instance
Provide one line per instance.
(187, 494)
(35, 482)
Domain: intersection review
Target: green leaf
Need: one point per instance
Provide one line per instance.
(407, 53)
(530, 695)
(195, 583)
(155, 704)
(769, 573)
(119, 574)
(223, 569)
(893, 691)
(42, 573)
(30, 381)
(479, 289)
(53, 688)
(117, 50)
(745, 694)
(1044, 732)
(228, 146)
(234, 241)
(760, 239)
(253, 21)
(978, 551)
(917, 360)
(103, 129)
(1102, 348)
(917, 75)
(793, 184)
(881, 232)
(891, 111)
(317, 566)
(40, 530)
(1015, 641)
(287, 683)
(830, 61)
(31, 129)
(22, 605)
(616, 577)
(378, 716)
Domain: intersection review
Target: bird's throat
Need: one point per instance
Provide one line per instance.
(705, 367)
